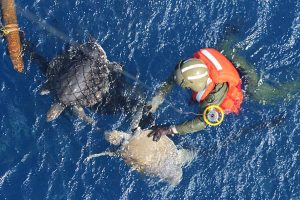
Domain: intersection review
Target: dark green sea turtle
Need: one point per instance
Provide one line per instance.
(79, 78)
(161, 159)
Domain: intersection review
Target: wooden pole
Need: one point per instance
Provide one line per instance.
(11, 33)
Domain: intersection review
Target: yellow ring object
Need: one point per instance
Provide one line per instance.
(219, 109)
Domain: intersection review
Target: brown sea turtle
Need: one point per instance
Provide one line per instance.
(161, 159)
(79, 78)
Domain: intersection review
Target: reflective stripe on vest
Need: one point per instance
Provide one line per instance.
(212, 59)
(200, 93)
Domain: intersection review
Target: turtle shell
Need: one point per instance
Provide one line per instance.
(160, 158)
(80, 76)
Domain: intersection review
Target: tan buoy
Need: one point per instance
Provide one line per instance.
(11, 33)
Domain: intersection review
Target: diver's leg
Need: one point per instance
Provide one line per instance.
(244, 67)
(269, 93)
(251, 77)
(260, 91)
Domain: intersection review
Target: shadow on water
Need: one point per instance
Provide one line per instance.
(248, 130)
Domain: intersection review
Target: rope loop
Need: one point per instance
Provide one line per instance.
(5, 30)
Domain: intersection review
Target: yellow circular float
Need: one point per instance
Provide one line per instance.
(213, 115)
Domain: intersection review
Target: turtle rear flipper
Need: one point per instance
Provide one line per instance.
(105, 153)
(79, 112)
(175, 178)
(186, 156)
(54, 111)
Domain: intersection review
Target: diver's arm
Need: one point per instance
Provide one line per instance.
(161, 93)
(191, 126)
(216, 97)
(151, 107)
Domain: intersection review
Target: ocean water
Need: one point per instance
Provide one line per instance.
(253, 155)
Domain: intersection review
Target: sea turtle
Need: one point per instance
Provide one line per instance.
(161, 159)
(79, 78)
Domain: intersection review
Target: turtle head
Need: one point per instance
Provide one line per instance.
(116, 67)
(115, 137)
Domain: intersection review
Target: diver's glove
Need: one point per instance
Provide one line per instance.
(160, 131)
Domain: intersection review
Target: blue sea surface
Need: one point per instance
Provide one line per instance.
(253, 155)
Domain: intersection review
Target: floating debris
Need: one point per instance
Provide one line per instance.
(10, 31)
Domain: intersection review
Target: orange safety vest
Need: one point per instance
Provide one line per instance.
(221, 70)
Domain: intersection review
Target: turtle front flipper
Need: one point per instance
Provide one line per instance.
(116, 137)
(175, 178)
(79, 112)
(55, 110)
(45, 90)
(101, 51)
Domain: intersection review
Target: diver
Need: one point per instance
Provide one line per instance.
(214, 80)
